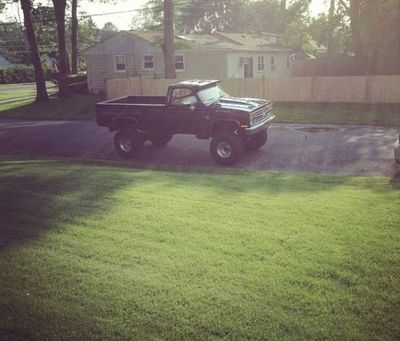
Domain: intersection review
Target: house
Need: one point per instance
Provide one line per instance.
(201, 56)
(4, 62)
(48, 62)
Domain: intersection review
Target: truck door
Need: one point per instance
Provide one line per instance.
(182, 111)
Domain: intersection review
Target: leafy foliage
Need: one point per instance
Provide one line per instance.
(17, 74)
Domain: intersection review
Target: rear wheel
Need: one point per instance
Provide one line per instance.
(256, 141)
(226, 149)
(128, 144)
(161, 139)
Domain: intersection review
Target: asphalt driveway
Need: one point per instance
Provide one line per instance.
(350, 150)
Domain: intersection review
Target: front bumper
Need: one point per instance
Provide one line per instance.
(259, 126)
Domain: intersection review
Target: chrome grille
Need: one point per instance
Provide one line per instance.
(261, 114)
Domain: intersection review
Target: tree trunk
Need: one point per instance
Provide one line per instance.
(41, 91)
(74, 37)
(59, 11)
(360, 55)
(168, 45)
(331, 27)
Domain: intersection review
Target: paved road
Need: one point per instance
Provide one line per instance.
(353, 150)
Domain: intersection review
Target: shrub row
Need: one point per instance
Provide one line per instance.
(17, 74)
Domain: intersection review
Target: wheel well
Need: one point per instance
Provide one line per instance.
(123, 123)
(224, 127)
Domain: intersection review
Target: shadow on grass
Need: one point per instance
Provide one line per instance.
(42, 198)
(395, 181)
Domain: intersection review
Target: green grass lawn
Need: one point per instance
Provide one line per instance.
(21, 91)
(101, 252)
(11, 95)
(331, 114)
(74, 107)
(82, 107)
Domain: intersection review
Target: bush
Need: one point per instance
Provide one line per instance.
(78, 84)
(17, 74)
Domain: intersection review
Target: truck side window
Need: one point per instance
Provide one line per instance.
(182, 96)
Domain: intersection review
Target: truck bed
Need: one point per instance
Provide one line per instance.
(138, 100)
(107, 111)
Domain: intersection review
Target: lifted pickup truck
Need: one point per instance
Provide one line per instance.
(200, 108)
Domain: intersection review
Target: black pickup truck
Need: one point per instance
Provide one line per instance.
(200, 108)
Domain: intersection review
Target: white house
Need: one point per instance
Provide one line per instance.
(201, 56)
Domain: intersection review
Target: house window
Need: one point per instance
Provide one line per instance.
(261, 63)
(119, 63)
(273, 66)
(179, 63)
(148, 62)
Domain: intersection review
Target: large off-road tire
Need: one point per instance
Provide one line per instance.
(256, 141)
(226, 149)
(128, 144)
(161, 139)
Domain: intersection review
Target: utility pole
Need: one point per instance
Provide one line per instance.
(331, 27)
(168, 45)
(283, 15)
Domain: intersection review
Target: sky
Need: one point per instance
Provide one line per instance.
(123, 21)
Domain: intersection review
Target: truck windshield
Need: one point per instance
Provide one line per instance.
(211, 95)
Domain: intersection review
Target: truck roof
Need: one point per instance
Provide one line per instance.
(196, 83)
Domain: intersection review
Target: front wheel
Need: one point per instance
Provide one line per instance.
(128, 144)
(256, 141)
(226, 149)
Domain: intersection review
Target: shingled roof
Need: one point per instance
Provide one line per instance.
(216, 41)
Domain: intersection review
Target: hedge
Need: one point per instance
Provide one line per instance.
(17, 74)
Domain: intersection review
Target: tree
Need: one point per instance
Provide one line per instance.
(297, 18)
(150, 17)
(168, 43)
(14, 44)
(375, 31)
(59, 11)
(212, 15)
(41, 92)
(89, 33)
(74, 36)
(108, 30)
(331, 27)
(46, 33)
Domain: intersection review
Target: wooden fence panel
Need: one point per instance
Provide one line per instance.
(293, 89)
(339, 89)
(384, 89)
(117, 88)
(352, 89)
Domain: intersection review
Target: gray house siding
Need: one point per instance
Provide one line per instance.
(101, 66)
(203, 64)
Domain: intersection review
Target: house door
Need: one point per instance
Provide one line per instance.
(248, 68)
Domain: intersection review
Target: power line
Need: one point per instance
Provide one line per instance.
(99, 14)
